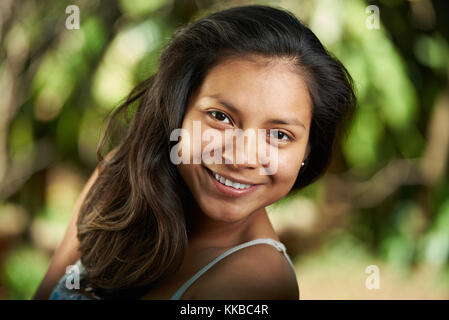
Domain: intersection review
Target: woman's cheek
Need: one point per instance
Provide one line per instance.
(211, 146)
(190, 145)
(288, 169)
(184, 150)
(282, 181)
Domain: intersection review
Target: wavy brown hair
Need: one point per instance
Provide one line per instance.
(134, 223)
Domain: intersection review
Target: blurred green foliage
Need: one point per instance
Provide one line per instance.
(23, 271)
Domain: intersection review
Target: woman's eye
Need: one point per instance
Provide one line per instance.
(220, 116)
(279, 135)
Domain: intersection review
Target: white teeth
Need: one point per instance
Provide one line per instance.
(230, 183)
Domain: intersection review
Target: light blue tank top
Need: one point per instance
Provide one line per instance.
(60, 292)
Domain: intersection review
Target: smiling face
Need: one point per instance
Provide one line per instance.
(246, 94)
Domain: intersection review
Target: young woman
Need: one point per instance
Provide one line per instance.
(153, 228)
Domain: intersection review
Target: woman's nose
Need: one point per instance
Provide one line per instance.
(241, 154)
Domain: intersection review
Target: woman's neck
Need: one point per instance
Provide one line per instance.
(204, 232)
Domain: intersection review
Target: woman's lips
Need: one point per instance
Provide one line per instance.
(228, 190)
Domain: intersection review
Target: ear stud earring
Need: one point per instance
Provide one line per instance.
(302, 164)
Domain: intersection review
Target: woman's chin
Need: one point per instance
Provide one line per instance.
(221, 213)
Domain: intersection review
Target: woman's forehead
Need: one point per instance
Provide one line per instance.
(254, 86)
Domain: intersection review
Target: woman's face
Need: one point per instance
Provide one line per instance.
(246, 94)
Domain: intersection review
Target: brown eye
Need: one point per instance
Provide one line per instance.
(279, 135)
(220, 116)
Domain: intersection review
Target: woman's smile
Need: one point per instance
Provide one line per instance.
(230, 186)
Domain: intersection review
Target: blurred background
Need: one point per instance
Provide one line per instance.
(384, 202)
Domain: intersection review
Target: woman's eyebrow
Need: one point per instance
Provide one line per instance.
(290, 122)
(227, 104)
(230, 106)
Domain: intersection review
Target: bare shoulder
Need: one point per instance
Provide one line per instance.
(258, 272)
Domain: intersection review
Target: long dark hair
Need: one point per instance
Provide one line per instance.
(133, 225)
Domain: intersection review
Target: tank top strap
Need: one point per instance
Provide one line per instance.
(278, 245)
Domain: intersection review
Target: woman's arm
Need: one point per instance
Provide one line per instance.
(67, 252)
